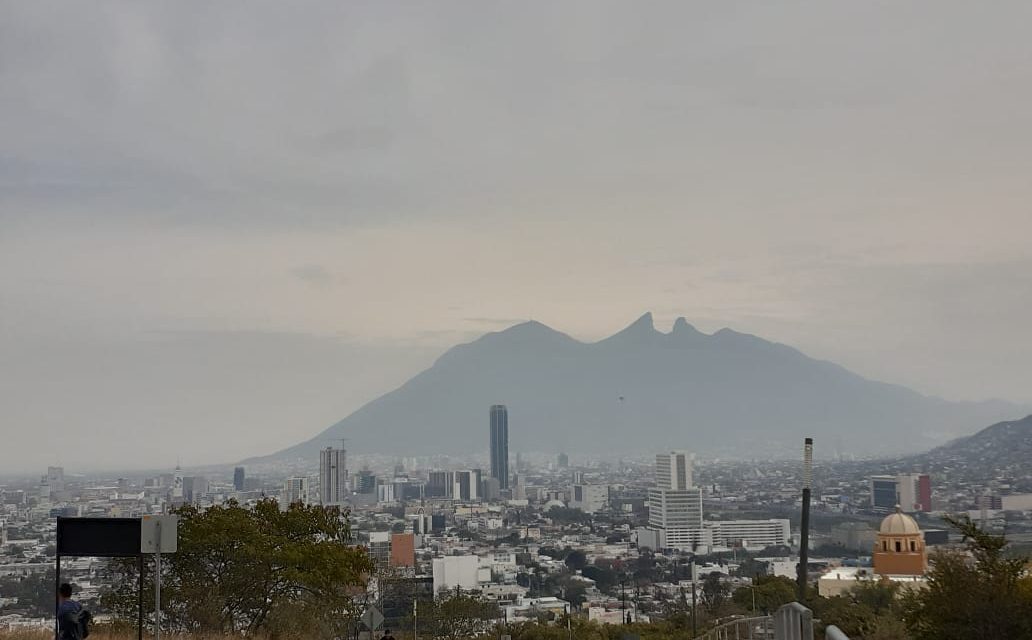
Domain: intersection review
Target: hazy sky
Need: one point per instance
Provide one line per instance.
(224, 226)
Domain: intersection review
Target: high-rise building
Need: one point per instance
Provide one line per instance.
(884, 492)
(56, 480)
(563, 461)
(467, 485)
(333, 476)
(500, 445)
(365, 482)
(239, 478)
(296, 490)
(194, 488)
(380, 548)
(675, 506)
(440, 484)
(910, 491)
(924, 492)
(674, 470)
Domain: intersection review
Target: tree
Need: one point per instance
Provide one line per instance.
(986, 595)
(768, 592)
(605, 579)
(576, 560)
(256, 570)
(454, 616)
(35, 592)
(715, 593)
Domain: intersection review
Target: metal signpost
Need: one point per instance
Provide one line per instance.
(119, 538)
(100, 538)
(158, 534)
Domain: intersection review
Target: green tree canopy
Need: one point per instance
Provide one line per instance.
(282, 573)
(770, 592)
(983, 594)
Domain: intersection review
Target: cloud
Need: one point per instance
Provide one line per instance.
(848, 178)
(315, 274)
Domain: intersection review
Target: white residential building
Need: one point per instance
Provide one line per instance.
(750, 534)
(456, 571)
(589, 498)
(295, 490)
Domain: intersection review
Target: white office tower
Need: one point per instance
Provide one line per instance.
(295, 490)
(675, 506)
(333, 476)
(674, 470)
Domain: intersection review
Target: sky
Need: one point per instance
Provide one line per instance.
(225, 226)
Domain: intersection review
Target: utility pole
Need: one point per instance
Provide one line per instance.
(804, 524)
(694, 573)
(623, 597)
(157, 582)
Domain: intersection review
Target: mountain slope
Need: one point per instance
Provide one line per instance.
(1000, 446)
(640, 390)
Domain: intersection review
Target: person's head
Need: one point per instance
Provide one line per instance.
(65, 591)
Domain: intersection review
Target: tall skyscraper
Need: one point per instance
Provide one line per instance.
(674, 470)
(675, 505)
(500, 445)
(56, 479)
(239, 476)
(333, 476)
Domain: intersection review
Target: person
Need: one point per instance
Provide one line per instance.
(68, 611)
(387, 635)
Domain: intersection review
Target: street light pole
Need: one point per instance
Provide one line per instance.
(623, 599)
(694, 630)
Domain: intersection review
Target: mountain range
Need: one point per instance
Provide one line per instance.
(1004, 448)
(727, 394)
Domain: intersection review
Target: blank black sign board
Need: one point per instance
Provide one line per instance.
(98, 537)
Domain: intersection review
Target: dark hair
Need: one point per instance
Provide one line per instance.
(65, 590)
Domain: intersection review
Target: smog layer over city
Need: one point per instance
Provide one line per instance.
(526, 321)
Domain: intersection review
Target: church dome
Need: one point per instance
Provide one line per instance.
(898, 524)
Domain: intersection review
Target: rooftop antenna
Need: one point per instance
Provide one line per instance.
(804, 524)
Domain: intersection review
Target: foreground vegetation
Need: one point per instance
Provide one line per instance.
(285, 575)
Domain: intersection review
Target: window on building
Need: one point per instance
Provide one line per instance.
(899, 546)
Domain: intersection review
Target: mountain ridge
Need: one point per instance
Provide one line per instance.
(726, 393)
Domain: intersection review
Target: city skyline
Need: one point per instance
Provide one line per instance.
(187, 256)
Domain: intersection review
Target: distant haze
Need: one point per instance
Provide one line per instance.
(224, 226)
(728, 394)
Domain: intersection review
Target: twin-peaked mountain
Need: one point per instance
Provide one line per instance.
(642, 390)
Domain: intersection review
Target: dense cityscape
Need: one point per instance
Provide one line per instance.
(537, 532)
(534, 320)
